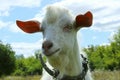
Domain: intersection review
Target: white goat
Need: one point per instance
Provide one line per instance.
(60, 44)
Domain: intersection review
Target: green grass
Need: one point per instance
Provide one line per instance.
(97, 75)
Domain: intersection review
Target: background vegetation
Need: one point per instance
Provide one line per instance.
(104, 57)
(7, 59)
(18, 65)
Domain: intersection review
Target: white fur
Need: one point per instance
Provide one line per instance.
(68, 60)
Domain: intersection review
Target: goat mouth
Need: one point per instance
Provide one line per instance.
(48, 53)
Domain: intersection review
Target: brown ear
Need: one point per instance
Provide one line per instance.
(29, 26)
(84, 20)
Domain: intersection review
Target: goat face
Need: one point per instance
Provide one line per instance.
(59, 30)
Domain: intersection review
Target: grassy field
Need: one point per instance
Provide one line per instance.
(106, 75)
(36, 77)
(97, 75)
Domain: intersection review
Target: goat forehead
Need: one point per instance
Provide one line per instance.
(54, 14)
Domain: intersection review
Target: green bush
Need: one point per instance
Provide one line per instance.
(7, 59)
(28, 66)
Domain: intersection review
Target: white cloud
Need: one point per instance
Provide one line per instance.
(39, 16)
(27, 49)
(6, 5)
(10, 26)
(4, 24)
(13, 28)
(105, 44)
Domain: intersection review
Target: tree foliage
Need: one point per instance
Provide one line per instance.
(105, 57)
(7, 59)
(27, 66)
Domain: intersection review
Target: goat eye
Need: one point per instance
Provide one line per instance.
(67, 28)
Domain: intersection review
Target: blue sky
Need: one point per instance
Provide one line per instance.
(105, 24)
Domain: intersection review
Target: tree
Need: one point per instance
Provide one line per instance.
(33, 66)
(105, 57)
(7, 59)
(37, 53)
(27, 66)
(116, 37)
(115, 49)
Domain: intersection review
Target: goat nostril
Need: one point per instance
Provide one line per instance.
(47, 45)
(50, 45)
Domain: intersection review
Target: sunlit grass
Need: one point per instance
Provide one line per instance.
(97, 75)
(36, 77)
(106, 75)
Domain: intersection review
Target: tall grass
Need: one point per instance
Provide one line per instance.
(106, 75)
(97, 75)
(36, 77)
